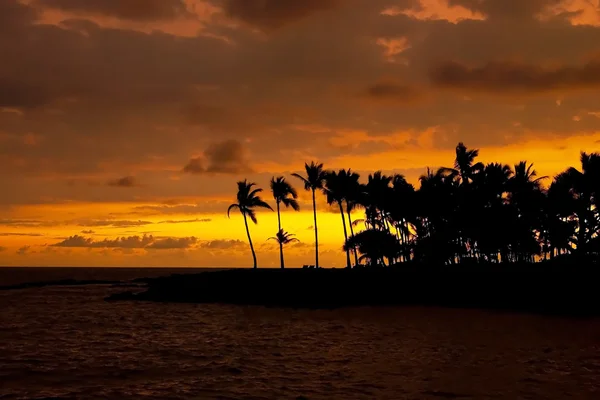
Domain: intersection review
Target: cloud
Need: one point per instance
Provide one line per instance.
(20, 234)
(88, 232)
(24, 250)
(28, 223)
(221, 244)
(273, 14)
(129, 242)
(395, 92)
(515, 9)
(14, 14)
(506, 77)
(228, 157)
(195, 166)
(136, 10)
(116, 224)
(185, 221)
(2, 249)
(436, 10)
(23, 94)
(173, 243)
(125, 182)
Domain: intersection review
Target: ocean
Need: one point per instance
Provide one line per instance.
(66, 342)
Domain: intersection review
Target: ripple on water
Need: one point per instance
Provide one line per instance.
(68, 343)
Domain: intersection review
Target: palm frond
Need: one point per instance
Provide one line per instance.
(291, 203)
(232, 207)
(260, 203)
(252, 215)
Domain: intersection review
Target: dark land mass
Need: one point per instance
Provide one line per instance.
(77, 282)
(538, 288)
(60, 282)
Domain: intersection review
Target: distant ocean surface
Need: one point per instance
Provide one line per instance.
(61, 342)
(16, 275)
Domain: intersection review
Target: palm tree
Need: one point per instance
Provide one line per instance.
(336, 190)
(282, 237)
(464, 164)
(378, 191)
(583, 188)
(285, 194)
(314, 180)
(354, 192)
(247, 201)
(374, 245)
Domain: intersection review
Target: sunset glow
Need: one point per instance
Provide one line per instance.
(123, 129)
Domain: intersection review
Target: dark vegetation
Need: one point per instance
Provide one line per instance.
(536, 288)
(473, 235)
(469, 213)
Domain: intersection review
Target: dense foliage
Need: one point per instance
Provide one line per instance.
(467, 213)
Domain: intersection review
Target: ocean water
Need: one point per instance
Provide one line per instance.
(67, 343)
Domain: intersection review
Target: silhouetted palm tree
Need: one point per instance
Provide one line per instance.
(354, 193)
(285, 194)
(247, 201)
(470, 213)
(336, 191)
(378, 192)
(283, 238)
(374, 245)
(582, 190)
(465, 166)
(314, 180)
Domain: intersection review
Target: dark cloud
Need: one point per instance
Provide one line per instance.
(222, 244)
(136, 10)
(185, 221)
(130, 242)
(14, 14)
(393, 92)
(173, 243)
(505, 77)
(20, 234)
(125, 182)
(112, 223)
(209, 206)
(273, 14)
(88, 232)
(23, 250)
(228, 157)
(2, 249)
(195, 166)
(27, 223)
(23, 94)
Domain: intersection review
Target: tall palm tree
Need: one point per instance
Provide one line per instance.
(285, 194)
(336, 191)
(354, 193)
(314, 180)
(247, 201)
(379, 192)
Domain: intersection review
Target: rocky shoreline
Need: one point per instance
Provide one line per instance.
(541, 290)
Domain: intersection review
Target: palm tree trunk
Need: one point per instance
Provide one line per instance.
(345, 235)
(352, 234)
(279, 230)
(250, 241)
(316, 230)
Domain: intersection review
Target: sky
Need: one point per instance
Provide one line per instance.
(125, 124)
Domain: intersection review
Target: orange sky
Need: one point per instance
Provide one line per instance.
(103, 105)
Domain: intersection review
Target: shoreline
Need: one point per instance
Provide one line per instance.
(535, 289)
